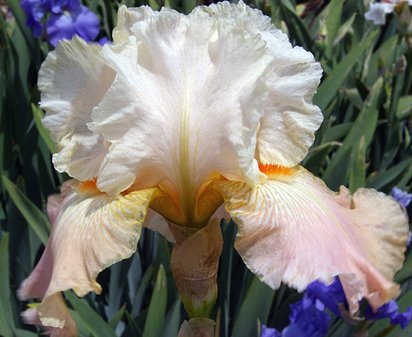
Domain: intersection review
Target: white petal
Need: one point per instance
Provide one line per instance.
(293, 229)
(290, 119)
(287, 129)
(72, 80)
(377, 12)
(185, 103)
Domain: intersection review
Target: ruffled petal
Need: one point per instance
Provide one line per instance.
(132, 17)
(293, 229)
(88, 221)
(185, 103)
(290, 119)
(72, 80)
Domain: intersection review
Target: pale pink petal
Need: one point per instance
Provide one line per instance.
(293, 229)
(72, 80)
(74, 256)
(55, 201)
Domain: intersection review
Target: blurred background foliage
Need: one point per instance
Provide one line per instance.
(365, 140)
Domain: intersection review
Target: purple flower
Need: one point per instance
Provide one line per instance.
(60, 19)
(81, 21)
(331, 296)
(102, 41)
(402, 197)
(390, 310)
(59, 6)
(308, 319)
(385, 311)
(269, 332)
(35, 11)
(402, 319)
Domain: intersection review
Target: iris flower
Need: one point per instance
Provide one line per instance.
(186, 118)
(378, 10)
(60, 19)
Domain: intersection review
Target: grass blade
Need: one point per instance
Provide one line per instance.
(156, 315)
(35, 218)
(329, 87)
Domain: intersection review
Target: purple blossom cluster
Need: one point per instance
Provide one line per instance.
(309, 317)
(404, 198)
(60, 19)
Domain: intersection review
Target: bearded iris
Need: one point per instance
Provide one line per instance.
(182, 116)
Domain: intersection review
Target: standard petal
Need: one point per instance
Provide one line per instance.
(290, 119)
(132, 17)
(185, 103)
(293, 229)
(72, 80)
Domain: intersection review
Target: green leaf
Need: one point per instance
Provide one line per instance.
(91, 320)
(157, 309)
(24, 333)
(44, 133)
(364, 126)
(189, 5)
(344, 29)
(6, 320)
(358, 172)
(333, 20)
(337, 132)
(172, 323)
(381, 179)
(316, 156)
(382, 57)
(117, 317)
(35, 218)
(404, 108)
(328, 90)
(138, 300)
(254, 309)
(406, 272)
(21, 21)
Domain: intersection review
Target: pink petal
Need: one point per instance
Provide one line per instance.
(293, 229)
(92, 231)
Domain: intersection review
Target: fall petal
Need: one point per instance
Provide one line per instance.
(74, 255)
(72, 80)
(313, 233)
